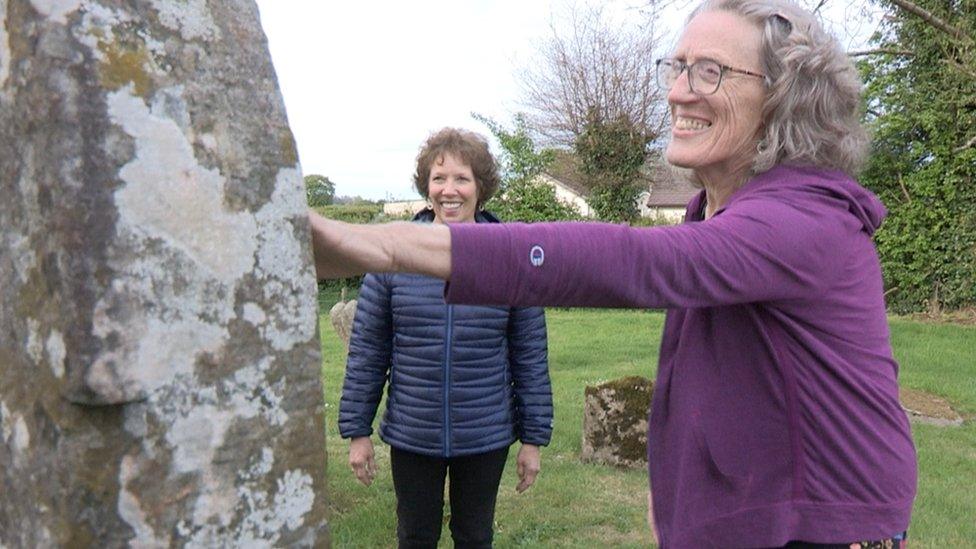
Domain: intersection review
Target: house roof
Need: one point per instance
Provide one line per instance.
(668, 188)
(665, 187)
(565, 170)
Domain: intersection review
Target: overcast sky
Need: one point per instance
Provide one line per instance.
(365, 83)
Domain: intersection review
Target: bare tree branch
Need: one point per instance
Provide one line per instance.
(970, 143)
(932, 20)
(881, 51)
(904, 190)
(594, 67)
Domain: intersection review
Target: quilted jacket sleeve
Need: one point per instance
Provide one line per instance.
(529, 364)
(368, 363)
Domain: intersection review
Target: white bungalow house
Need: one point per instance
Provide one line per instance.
(568, 191)
(666, 196)
(563, 175)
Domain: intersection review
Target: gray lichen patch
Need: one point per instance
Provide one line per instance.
(168, 195)
(180, 299)
(174, 301)
(131, 511)
(15, 435)
(282, 263)
(56, 10)
(56, 353)
(191, 18)
(6, 426)
(204, 428)
(4, 47)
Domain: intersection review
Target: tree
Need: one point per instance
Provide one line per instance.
(921, 102)
(521, 197)
(611, 153)
(531, 201)
(599, 67)
(319, 190)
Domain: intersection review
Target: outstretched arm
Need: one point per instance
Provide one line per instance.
(344, 249)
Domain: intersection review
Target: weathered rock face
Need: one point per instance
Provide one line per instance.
(159, 360)
(342, 315)
(615, 422)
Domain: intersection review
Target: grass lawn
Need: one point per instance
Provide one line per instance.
(579, 505)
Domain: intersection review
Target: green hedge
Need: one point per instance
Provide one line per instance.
(922, 114)
(359, 213)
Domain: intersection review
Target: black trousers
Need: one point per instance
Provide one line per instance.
(419, 484)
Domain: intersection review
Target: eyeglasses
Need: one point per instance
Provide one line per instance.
(704, 75)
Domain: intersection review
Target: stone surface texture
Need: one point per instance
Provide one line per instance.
(615, 422)
(342, 315)
(159, 355)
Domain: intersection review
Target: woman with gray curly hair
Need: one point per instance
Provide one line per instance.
(775, 419)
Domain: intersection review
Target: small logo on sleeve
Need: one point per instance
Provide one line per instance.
(537, 256)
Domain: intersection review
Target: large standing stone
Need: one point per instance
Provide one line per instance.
(615, 422)
(159, 360)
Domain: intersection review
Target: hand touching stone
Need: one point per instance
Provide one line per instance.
(345, 249)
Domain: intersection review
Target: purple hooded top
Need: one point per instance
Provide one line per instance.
(775, 415)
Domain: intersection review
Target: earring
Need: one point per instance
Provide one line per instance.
(430, 205)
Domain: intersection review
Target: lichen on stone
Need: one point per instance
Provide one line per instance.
(289, 150)
(56, 10)
(191, 18)
(615, 422)
(56, 353)
(158, 276)
(123, 66)
(176, 301)
(283, 264)
(6, 423)
(4, 46)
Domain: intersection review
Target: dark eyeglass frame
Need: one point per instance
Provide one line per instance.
(662, 79)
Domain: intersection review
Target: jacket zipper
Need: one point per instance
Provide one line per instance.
(447, 381)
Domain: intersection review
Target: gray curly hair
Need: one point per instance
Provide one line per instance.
(812, 113)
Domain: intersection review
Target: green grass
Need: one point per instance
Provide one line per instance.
(941, 359)
(579, 505)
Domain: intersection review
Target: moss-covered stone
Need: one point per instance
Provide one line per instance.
(615, 422)
(124, 65)
(289, 151)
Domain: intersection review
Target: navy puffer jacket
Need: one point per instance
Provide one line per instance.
(461, 379)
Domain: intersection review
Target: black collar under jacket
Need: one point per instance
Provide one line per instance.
(426, 215)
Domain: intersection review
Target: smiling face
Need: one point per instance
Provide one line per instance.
(716, 135)
(452, 190)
